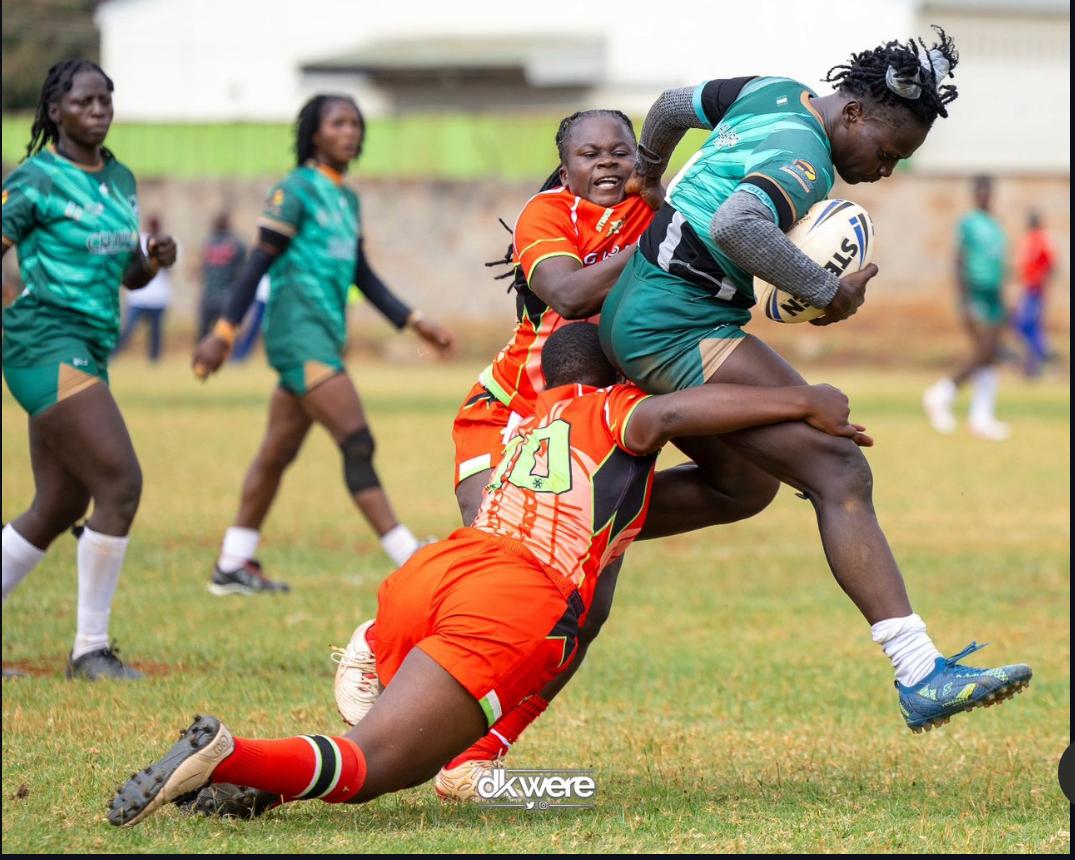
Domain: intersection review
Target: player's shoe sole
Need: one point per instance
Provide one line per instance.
(186, 767)
(994, 698)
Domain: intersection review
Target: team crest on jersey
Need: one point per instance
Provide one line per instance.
(725, 137)
(103, 188)
(803, 173)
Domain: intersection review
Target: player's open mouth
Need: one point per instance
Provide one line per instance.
(608, 182)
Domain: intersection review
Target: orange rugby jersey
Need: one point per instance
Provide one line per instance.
(555, 223)
(568, 487)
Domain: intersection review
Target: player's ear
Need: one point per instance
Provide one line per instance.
(563, 175)
(852, 112)
(54, 112)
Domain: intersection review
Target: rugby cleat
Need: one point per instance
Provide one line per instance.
(224, 800)
(356, 686)
(937, 402)
(101, 664)
(248, 579)
(460, 783)
(185, 768)
(952, 688)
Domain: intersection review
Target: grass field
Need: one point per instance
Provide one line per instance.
(734, 702)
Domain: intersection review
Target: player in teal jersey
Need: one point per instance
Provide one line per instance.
(310, 243)
(674, 318)
(71, 211)
(981, 268)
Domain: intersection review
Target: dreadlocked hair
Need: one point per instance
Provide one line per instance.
(59, 80)
(309, 121)
(865, 76)
(568, 123)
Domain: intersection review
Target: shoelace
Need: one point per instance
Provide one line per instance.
(966, 652)
(339, 655)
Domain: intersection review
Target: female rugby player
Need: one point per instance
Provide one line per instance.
(71, 210)
(310, 243)
(674, 318)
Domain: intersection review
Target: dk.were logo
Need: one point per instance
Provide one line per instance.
(536, 789)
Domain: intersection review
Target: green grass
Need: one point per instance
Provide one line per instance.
(438, 146)
(733, 703)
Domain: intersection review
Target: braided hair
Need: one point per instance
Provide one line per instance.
(871, 73)
(553, 181)
(59, 80)
(309, 121)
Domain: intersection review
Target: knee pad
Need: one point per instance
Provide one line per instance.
(358, 470)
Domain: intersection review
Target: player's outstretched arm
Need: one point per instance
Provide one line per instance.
(712, 409)
(576, 292)
(210, 353)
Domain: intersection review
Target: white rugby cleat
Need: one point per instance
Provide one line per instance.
(460, 783)
(989, 428)
(356, 687)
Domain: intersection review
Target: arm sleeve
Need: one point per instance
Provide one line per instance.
(744, 230)
(378, 294)
(544, 230)
(23, 200)
(666, 123)
(257, 264)
(711, 100)
(620, 404)
(789, 171)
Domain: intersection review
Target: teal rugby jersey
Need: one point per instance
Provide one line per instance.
(984, 249)
(75, 231)
(766, 139)
(310, 280)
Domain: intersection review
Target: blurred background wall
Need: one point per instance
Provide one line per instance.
(463, 100)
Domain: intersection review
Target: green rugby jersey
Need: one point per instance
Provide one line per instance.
(767, 140)
(984, 249)
(310, 280)
(76, 231)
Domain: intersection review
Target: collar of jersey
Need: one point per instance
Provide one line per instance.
(97, 168)
(333, 175)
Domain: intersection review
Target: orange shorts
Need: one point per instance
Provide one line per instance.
(489, 614)
(480, 432)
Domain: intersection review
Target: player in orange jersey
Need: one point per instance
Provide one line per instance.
(471, 626)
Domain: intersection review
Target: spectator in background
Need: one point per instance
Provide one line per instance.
(149, 303)
(222, 261)
(981, 267)
(1036, 261)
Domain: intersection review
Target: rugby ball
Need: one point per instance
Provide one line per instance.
(835, 234)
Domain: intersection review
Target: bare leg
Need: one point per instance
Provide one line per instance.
(834, 475)
(469, 495)
(284, 434)
(985, 348)
(422, 719)
(335, 405)
(59, 497)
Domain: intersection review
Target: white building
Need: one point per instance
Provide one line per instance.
(228, 60)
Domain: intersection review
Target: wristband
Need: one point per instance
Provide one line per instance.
(225, 331)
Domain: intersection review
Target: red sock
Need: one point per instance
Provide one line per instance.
(504, 732)
(302, 768)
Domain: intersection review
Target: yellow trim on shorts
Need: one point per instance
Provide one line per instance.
(316, 372)
(70, 381)
(714, 351)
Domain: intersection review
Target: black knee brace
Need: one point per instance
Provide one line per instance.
(358, 461)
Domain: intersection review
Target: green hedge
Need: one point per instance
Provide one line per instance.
(443, 146)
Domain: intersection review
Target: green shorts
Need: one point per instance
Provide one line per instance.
(664, 333)
(70, 366)
(302, 378)
(986, 306)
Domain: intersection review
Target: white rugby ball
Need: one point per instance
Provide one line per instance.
(835, 234)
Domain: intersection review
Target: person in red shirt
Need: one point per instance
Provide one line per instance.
(1036, 261)
(471, 626)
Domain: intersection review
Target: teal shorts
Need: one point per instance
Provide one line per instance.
(68, 367)
(986, 306)
(303, 377)
(664, 333)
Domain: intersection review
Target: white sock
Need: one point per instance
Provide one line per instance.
(399, 544)
(239, 547)
(908, 646)
(19, 558)
(984, 399)
(100, 558)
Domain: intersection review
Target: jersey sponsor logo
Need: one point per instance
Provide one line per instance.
(783, 100)
(802, 172)
(79, 362)
(76, 212)
(106, 242)
(594, 257)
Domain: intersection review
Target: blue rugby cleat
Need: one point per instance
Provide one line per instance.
(951, 688)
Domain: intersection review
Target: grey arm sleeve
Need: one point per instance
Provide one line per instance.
(666, 123)
(743, 228)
